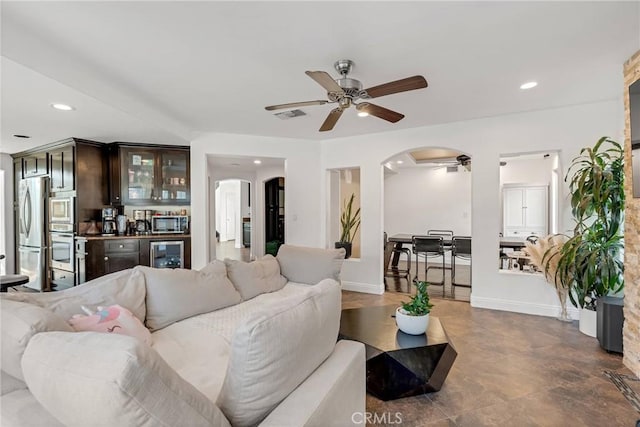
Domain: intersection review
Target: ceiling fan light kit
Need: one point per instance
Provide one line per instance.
(345, 91)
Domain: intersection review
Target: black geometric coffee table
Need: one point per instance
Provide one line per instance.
(398, 364)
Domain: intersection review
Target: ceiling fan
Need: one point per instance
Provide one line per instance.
(345, 91)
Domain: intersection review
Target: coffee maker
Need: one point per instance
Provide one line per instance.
(109, 215)
(142, 225)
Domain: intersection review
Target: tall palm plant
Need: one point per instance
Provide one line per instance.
(591, 260)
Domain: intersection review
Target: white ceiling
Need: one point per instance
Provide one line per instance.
(182, 68)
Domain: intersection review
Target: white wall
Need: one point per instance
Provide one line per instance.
(527, 171)
(565, 129)
(419, 199)
(7, 237)
(303, 202)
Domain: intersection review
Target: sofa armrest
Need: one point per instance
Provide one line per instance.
(330, 396)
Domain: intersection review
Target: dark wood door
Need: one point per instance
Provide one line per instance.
(34, 165)
(138, 172)
(274, 213)
(120, 261)
(61, 161)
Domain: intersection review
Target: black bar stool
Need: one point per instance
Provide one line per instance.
(9, 280)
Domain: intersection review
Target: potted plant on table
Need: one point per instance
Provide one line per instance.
(413, 316)
(349, 224)
(591, 261)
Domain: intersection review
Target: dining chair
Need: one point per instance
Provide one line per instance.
(460, 248)
(429, 247)
(446, 235)
(391, 271)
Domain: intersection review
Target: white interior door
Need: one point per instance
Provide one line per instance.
(230, 216)
(536, 211)
(513, 213)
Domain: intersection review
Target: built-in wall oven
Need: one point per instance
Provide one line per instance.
(62, 251)
(61, 211)
(61, 240)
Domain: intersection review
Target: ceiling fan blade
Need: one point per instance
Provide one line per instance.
(294, 105)
(410, 83)
(325, 80)
(331, 119)
(380, 112)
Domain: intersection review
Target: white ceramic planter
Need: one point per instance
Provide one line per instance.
(588, 322)
(412, 325)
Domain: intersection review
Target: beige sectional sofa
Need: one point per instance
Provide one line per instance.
(232, 344)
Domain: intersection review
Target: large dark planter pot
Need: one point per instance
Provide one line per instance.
(610, 320)
(346, 246)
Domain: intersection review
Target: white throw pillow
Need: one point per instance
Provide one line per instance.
(125, 288)
(20, 322)
(174, 295)
(255, 278)
(89, 378)
(310, 265)
(276, 349)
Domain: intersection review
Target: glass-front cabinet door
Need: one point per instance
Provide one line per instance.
(174, 176)
(138, 175)
(152, 176)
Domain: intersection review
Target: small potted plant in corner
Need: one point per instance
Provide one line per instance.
(591, 261)
(413, 317)
(349, 224)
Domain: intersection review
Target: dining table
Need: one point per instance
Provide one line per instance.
(398, 241)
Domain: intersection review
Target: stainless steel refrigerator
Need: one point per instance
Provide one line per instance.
(32, 248)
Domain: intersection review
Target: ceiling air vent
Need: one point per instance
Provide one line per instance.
(452, 169)
(286, 115)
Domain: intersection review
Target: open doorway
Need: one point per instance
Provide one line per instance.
(233, 219)
(236, 193)
(427, 192)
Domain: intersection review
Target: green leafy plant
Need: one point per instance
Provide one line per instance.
(349, 221)
(419, 304)
(591, 261)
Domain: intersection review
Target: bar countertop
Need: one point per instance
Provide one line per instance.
(134, 236)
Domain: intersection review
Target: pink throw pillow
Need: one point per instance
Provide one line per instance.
(113, 319)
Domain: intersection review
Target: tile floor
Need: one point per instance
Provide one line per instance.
(512, 370)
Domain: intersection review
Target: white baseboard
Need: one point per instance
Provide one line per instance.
(367, 288)
(521, 307)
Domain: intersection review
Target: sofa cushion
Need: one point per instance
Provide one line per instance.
(310, 265)
(276, 349)
(174, 295)
(255, 278)
(125, 288)
(80, 383)
(20, 322)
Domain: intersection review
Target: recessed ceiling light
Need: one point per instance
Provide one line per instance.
(62, 107)
(21, 136)
(399, 162)
(528, 85)
(363, 114)
(257, 162)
